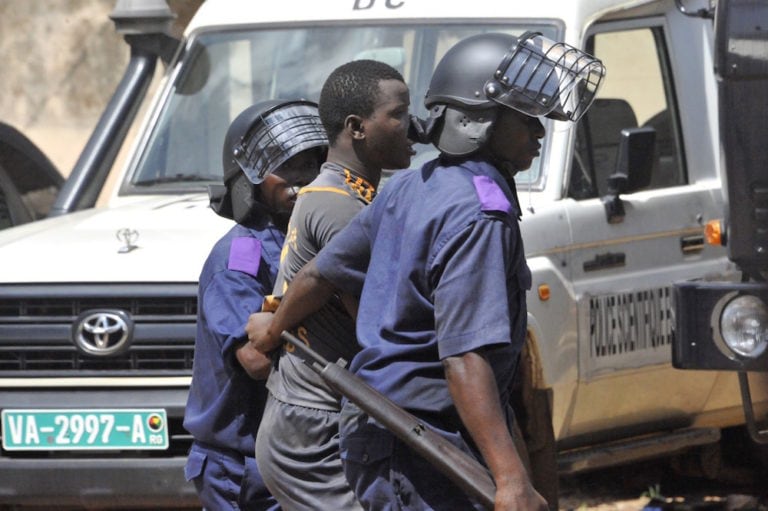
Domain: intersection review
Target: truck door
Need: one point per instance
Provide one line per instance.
(623, 272)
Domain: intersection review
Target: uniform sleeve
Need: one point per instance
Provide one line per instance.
(344, 261)
(476, 291)
(227, 301)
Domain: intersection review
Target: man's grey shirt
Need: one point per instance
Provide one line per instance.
(323, 208)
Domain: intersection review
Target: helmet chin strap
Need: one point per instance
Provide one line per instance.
(508, 171)
(507, 168)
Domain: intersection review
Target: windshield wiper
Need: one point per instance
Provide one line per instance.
(179, 178)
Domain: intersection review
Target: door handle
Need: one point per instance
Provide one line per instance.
(692, 244)
(605, 261)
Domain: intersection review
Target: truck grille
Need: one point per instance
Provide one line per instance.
(36, 324)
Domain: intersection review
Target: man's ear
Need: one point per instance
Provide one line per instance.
(354, 125)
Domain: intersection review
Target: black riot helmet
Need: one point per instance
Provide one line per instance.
(258, 141)
(267, 134)
(530, 74)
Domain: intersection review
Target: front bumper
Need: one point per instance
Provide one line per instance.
(698, 342)
(150, 483)
(91, 480)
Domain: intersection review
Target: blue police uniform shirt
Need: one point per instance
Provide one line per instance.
(225, 405)
(439, 262)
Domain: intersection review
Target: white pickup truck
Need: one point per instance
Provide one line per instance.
(97, 306)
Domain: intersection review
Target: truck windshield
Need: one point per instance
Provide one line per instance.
(222, 73)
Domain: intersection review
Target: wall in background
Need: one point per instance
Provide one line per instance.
(61, 63)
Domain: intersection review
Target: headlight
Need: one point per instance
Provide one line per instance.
(721, 326)
(744, 326)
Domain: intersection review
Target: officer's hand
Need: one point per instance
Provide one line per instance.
(259, 335)
(518, 495)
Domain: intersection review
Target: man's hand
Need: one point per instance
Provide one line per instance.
(512, 494)
(260, 337)
(306, 294)
(256, 364)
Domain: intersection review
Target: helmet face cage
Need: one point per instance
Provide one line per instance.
(541, 77)
(282, 133)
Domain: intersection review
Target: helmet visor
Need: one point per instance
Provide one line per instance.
(541, 77)
(281, 134)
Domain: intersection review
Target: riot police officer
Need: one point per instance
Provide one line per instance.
(270, 150)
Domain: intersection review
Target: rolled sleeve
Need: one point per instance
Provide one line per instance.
(472, 298)
(229, 298)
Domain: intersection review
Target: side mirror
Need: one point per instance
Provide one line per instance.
(634, 167)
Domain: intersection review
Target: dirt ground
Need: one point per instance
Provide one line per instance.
(669, 485)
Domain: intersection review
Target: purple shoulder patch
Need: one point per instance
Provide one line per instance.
(245, 255)
(491, 196)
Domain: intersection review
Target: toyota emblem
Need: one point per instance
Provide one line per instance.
(102, 332)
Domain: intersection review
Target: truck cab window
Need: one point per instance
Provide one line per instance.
(225, 71)
(637, 92)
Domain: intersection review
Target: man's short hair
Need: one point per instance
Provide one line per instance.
(352, 89)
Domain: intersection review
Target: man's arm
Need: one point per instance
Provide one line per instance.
(473, 389)
(225, 298)
(306, 294)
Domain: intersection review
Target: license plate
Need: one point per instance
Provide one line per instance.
(67, 430)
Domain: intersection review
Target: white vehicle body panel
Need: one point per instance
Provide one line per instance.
(174, 236)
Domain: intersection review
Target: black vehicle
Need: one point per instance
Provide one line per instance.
(724, 325)
(29, 181)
